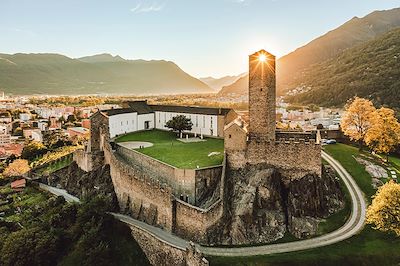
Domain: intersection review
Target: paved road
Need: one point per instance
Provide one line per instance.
(59, 192)
(353, 225)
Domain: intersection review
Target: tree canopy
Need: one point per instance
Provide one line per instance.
(179, 123)
(384, 134)
(358, 119)
(16, 168)
(384, 212)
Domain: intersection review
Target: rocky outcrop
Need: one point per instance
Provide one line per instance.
(264, 205)
(84, 184)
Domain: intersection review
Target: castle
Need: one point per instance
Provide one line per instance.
(295, 155)
(269, 182)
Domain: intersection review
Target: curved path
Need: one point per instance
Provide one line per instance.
(353, 225)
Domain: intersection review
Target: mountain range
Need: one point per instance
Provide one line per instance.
(296, 69)
(218, 83)
(103, 74)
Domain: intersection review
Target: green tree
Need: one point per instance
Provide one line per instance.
(179, 123)
(33, 246)
(71, 118)
(33, 150)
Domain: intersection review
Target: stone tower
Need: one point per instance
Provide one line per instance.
(262, 86)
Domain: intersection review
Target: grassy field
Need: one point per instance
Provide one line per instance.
(182, 155)
(370, 247)
(345, 155)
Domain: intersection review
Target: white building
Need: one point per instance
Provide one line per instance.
(141, 116)
(25, 117)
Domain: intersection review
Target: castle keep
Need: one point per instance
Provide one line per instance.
(269, 183)
(293, 155)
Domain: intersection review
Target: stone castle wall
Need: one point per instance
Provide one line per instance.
(182, 181)
(195, 183)
(160, 252)
(193, 223)
(196, 223)
(83, 159)
(138, 194)
(293, 159)
(207, 183)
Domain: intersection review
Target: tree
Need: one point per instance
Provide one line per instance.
(358, 119)
(71, 118)
(179, 123)
(384, 134)
(55, 138)
(16, 168)
(33, 150)
(313, 108)
(384, 212)
(18, 131)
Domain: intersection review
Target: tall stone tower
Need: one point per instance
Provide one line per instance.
(262, 87)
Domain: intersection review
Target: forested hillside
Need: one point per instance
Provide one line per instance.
(371, 70)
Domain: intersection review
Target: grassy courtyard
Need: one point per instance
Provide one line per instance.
(370, 247)
(168, 149)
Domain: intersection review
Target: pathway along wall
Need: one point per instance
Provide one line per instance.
(161, 253)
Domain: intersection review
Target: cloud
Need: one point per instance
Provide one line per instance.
(242, 2)
(145, 8)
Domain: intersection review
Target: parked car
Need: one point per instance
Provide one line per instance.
(331, 141)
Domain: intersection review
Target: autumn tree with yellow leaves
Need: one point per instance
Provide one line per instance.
(384, 134)
(384, 212)
(358, 118)
(16, 168)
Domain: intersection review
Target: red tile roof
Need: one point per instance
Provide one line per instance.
(20, 183)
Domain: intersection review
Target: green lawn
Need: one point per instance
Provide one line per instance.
(344, 154)
(182, 155)
(370, 247)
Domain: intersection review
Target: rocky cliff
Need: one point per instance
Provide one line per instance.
(262, 205)
(84, 184)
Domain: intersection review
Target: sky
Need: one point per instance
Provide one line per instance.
(204, 37)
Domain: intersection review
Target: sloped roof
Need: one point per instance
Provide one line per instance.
(190, 109)
(20, 183)
(140, 107)
(118, 111)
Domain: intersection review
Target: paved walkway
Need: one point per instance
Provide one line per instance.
(135, 144)
(59, 192)
(353, 225)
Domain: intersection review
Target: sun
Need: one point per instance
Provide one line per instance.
(262, 57)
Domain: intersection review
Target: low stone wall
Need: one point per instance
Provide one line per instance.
(195, 183)
(293, 159)
(83, 159)
(196, 223)
(208, 181)
(159, 252)
(193, 223)
(182, 181)
(138, 194)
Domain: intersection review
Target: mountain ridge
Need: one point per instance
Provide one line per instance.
(49, 73)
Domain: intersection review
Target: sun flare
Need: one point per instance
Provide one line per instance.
(262, 58)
